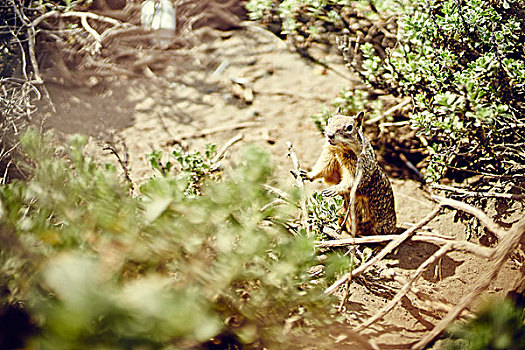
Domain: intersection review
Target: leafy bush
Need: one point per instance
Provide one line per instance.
(98, 268)
(194, 167)
(498, 326)
(308, 21)
(463, 66)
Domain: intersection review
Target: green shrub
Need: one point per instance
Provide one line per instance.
(461, 63)
(307, 21)
(98, 268)
(498, 326)
(464, 67)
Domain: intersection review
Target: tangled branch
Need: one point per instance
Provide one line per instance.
(16, 108)
(497, 257)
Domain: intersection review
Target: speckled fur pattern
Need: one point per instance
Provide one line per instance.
(347, 148)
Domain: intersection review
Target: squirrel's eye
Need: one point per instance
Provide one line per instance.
(349, 127)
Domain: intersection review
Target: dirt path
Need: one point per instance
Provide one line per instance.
(249, 76)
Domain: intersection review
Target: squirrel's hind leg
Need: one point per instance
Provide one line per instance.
(361, 215)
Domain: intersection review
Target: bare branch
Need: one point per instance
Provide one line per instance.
(469, 247)
(477, 193)
(386, 250)
(277, 192)
(206, 132)
(509, 243)
(481, 216)
(97, 45)
(226, 147)
(406, 288)
(300, 183)
(77, 14)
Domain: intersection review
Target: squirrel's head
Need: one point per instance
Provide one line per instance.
(344, 131)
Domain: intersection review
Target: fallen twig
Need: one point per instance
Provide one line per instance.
(226, 147)
(351, 210)
(412, 167)
(481, 216)
(112, 146)
(274, 203)
(465, 192)
(206, 132)
(335, 234)
(279, 193)
(300, 183)
(97, 45)
(389, 111)
(430, 301)
(78, 14)
(386, 250)
(294, 94)
(470, 247)
(406, 288)
(509, 243)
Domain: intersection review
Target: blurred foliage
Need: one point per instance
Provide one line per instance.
(497, 326)
(461, 63)
(96, 267)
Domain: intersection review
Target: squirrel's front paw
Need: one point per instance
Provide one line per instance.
(331, 191)
(303, 174)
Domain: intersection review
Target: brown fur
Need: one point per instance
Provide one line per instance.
(337, 165)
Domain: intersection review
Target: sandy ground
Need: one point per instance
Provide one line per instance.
(198, 92)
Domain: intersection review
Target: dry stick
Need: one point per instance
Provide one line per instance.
(335, 233)
(98, 45)
(31, 44)
(227, 146)
(4, 178)
(353, 223)
(83, 19)
(77, 14)
(389, 111)
(206, 132)
(353, 190)
(429, 301)
(406, 288)
(279, 193)
(112, 148)
(478, 194)
(32, 25)
(274, 203)
(469, 247)
(293, 95)
(412, 167)
(509, 243)
(386, 250)
(300, 184)
(481, 216)
(23, 54)
(32, 56)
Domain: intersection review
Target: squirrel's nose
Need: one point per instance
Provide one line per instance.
(330, 136)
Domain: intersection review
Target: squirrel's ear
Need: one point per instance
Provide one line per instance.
(359, 118)
(338, 110)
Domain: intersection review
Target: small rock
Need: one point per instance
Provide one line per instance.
(145, 105)
(388, 274)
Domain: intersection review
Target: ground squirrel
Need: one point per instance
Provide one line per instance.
(347, 149)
